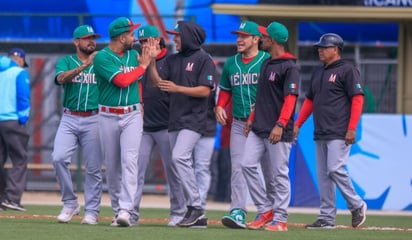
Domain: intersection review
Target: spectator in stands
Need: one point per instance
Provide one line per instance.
(14, 114)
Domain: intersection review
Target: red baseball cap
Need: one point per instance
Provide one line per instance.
(262, 30)
(175, 31)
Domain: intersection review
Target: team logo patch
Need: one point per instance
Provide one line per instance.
(358, 86)
(292, 86)
(242, 26)
(332, 78)
(209, 77)
(272, 76)
(141, 33)
(189, 67)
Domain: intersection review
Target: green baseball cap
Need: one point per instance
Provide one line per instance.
(248, 28)
(148, 31)
(175, 31)
(84, 31)
(276, 31)
(121, 25)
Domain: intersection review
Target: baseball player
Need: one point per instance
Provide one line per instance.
(79, 127)
(14, 139)
(335, 97)
(272, 127)
(190, 74)
(118, 67)
(155, 123)
(238, 84)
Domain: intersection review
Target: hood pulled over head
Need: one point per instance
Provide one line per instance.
(192, 36)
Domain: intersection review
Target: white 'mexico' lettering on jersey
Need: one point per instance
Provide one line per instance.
(87, 78)
(126, 69)
(244, 79)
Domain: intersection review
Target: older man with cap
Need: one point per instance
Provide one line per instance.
(19, 56)
(238, 85)
(79, 127)
(270, 128)
(118, 68)
(155, 124)
(335, 96)
(14, 114)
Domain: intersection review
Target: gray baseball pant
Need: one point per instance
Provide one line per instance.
(183, 142)
(149, 140)
(278, 163)
(77, 131)
(202, 157)
(120, 136)
(331, 158)
(238, 184)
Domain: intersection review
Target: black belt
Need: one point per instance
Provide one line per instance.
(241, 119)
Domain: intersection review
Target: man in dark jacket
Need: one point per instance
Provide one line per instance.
(155, 124)
(190, 74)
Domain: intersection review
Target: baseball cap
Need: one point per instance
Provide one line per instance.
(121, 25)
(262, 30)
(276, 31)
(84, 31)
(19, 53)
(175, 31)
(248, 28)
(148, 31)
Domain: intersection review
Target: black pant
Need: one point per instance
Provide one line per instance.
(222, 190)
(13, 144)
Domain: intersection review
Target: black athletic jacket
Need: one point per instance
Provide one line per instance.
(278, 78)
(331, 91)
(156, 103)
(190, 67)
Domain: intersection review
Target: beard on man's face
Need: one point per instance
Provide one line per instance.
(87, 50)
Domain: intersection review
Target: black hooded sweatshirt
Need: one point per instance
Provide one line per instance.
(190, 67)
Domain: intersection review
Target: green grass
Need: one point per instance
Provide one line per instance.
(44, 226)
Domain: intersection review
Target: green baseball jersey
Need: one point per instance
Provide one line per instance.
(107, 64)
(242, 81)
(82, 93)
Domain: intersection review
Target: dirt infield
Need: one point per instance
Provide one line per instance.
(209, 222)
(148, 201)
(162, 201)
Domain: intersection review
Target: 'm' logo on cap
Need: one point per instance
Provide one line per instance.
(141, 33)
(242, 25)
(90, 29)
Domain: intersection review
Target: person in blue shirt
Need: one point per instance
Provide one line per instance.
(14, 114)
